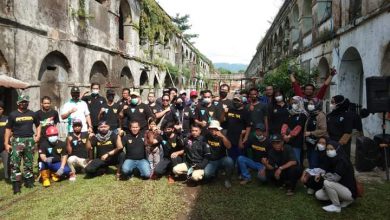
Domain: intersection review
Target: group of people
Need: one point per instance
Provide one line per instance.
(190, 138)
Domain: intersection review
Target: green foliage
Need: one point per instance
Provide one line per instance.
(280, 79)
(222, 70)
(81, 13)
(186, 72)
(182, 23)
(173, 70)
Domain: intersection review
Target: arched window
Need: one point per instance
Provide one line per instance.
(124, 21)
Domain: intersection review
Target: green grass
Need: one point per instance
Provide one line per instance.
(105, 198)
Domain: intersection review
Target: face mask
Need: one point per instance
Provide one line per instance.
(295, 106)
(179, 106)
(95, 91)
(321, 147)
(206, 101)
(168, 133)
(110, 98)
(76, 97)
(332, 107)
(134, 101)
(331, 153)
(103, 131)
(244, 100)
(237, 105)
(259, 137)
(311, 107)
(279, 98)
(52, 139)
(254, 99)
(222, 94)
(216, 103)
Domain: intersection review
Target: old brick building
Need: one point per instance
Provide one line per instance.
(351, 35)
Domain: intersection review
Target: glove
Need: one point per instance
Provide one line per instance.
(334, 177)
(49, 159)
(60, 172)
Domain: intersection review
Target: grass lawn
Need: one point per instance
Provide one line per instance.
(105, 198)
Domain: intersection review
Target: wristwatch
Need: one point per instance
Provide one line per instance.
(280, 168)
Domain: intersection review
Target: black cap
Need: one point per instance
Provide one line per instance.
(110, 92)
(276, 138)
(75, 90)
(260, 126)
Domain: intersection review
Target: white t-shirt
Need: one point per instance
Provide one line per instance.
(81, 113)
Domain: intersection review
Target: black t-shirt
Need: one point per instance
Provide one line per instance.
(256, 116)
(78, 145)
(135, 146)
(217, 148)
(226, 103)
(339, 124)
(47, 119)
(171, 145)
(3, 123)
(121, 104)
(111, 115)
(196, 152)
(154, 108)
(21, 123)
(56, 150)
(278, 115)
(237, 121)
(140, 113)
(103, 147)
(279, 158)
(259, 148)
(95, 103)
(293, 121)
(207, 114)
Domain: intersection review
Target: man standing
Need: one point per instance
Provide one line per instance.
(258, 112)
(76, 109)
(95, 102)
(207, 112)
(269, 94)
(3, 152)
(47, 117)
(20, 125)
(137, 111)
(152, 102)
(125, 101)
(110, 112)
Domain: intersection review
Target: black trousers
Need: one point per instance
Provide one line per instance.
(312, 184)
(97, 164)
(289, 176)
(167, 163)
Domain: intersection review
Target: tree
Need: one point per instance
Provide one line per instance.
(182, 23)
(222, 70)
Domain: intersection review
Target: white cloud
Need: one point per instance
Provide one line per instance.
(229, 30)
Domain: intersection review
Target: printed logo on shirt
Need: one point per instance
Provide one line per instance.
(275, 110)
(202, 111)
(47, 122)
(132, 110)
(89, 102)
(59, 150)
(341, 119)
(50, 150)
(186, 113)
(84, 140)
(130, 141)
(211, 114)
(164, 142)
(224, 106)
(141, 110)
(101, 102)
(232, 115)
(173, 144)
(3, 124)
(25, 118)
(213, 143)
(258, 148)
(154, 110)
(75, 143)
(105, 143)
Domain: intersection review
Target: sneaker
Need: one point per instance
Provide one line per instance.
(332, 208)
(244, 181)
(310, 191)
(290, 192)
(171, 180)
(72, 177)
(345, 204)
(228, 184)
(16, 187)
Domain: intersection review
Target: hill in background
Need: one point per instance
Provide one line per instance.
(233, 67)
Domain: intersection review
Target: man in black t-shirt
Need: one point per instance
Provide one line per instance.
(124, 101)
(3, 152)
(173, 151)
(258, 144)
(20, 125)
(135, 152)
(76, 146)
(137, 111)
(95, 102)
(282, 165)
(206, 111)
(47, 117)
(258, 112)
(108, 151)
(110, 112)
(218, 144)
(52, 157)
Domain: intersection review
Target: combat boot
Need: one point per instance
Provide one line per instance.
(45, 175)
(16, 187)
(29, 182)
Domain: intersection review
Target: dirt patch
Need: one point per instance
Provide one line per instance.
(190, 197)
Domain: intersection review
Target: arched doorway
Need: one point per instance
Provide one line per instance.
(307, 16)
(156, 86)
(351, 76)
(385, 69)
(144, 85)
(126, 78)
(99, 74)
(7, 95)
(168, 81)
(295, 24)
(323, 70)
(54, 78)
(124, 21)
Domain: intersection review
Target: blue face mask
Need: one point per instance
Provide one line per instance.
(52, 139)
(134, 101)
(244, 100)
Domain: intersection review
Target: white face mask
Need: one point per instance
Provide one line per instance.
(332, 107)
(95, 91)
(321, 147)
(52, 139)
(295, 106)
(331, 153)
(311, 107)
(279, 98)
(206, 100)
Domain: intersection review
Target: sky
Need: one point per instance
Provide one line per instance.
(229, 30)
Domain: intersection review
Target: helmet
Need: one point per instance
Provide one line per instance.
(52, 130)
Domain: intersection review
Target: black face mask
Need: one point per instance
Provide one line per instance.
(223, 94)
(110, 98)
(179, 106)
(168, 134)
(76, 97)
(237, 105)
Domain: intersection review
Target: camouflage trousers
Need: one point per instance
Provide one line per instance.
(22, 148)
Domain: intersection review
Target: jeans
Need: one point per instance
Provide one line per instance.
(53, 167)
(245, 163)
(142, 165)
(288, 176)
(167, 163)
(297, 152)
(312, 156)
(213, 165)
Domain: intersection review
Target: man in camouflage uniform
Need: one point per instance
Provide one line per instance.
(20, 125)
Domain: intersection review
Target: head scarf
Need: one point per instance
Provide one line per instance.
(301, 106)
